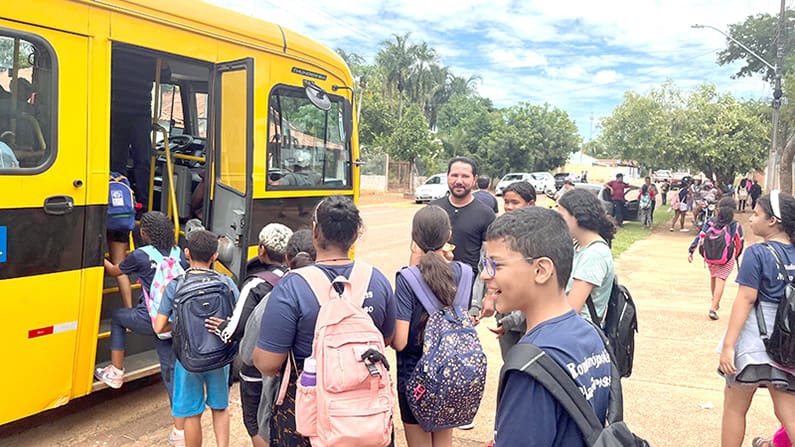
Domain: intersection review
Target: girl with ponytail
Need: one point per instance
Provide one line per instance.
(744, 361)
(429, 233)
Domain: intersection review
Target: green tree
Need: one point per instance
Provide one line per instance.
(530, 137)
(704, 131)
(411, 139)
(759, 34)
(396, 59)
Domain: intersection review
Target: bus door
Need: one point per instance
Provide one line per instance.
(44, 218)
(232, 160)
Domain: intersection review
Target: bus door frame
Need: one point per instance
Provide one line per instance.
(230, 207)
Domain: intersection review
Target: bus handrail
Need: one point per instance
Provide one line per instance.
(172, 212)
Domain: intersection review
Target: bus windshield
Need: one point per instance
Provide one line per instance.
(308, 148)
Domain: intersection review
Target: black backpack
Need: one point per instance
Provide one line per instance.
(780, 344)
(534, 362)
(198, 296)
(620, 326)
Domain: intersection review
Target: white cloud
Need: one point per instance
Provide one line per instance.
(580, 56)
(606, 77)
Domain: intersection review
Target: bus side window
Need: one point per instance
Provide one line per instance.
(25, 103)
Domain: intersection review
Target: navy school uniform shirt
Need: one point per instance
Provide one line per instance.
(138, 263)
(288, 322)
(759, 270)
(527, 415)
(410, 309)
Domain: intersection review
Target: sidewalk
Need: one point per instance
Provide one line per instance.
(674, 397)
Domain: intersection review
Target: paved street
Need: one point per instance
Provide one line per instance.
(672, 399)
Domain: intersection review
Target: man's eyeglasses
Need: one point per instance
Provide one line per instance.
(490, 265)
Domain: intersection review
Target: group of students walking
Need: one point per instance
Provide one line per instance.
(543, 275)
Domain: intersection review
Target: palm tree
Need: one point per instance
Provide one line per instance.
(396, 58)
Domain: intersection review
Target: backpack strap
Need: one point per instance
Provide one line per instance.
(531, 360)
(318, 280)
(269, 276)
(589, 301)
(426, 296)
(782, 270)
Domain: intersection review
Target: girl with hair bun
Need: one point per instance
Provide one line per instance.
(592, 271)
(288, 322)
(744, 361)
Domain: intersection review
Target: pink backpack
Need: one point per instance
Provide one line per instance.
(353, 401)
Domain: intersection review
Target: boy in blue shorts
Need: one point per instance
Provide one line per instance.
(190, 398)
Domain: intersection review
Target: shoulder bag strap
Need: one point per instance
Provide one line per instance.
(534, 362)
(421, 290)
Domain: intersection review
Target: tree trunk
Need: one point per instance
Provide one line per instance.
(785, 169)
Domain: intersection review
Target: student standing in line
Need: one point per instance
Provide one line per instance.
(529, 258)
(511, 327)
(263, 273)
(288, 322)
(592, 272)
(430, 231)
(744, 361)
(157, 232)
(193, 391)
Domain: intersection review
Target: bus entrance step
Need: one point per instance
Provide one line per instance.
(136, 366)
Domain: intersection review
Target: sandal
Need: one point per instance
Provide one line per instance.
(761, 442)
(714, 316)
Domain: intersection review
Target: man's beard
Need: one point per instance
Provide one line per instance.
(460, 195)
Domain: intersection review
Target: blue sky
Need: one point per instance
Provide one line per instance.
(579, 56)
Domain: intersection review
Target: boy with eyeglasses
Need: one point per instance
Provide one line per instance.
(529, 260)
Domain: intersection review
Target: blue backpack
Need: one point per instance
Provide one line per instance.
(121, 204)
(446, 386)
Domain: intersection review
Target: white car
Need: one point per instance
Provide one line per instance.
(507, 179)
(433, 188)
(542, 182)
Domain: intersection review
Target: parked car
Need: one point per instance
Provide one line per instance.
(603, 194)
(661, 175)
(561, 177)
(433, 188)
(542, 182)
(507, 179)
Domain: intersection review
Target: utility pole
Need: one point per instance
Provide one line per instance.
(776, 169)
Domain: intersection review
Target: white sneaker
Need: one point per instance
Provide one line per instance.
(176, 438)
(111, 376)
(468, 426)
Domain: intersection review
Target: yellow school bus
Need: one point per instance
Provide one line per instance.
(249, 123)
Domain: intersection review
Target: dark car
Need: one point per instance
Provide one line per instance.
(603, 194)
